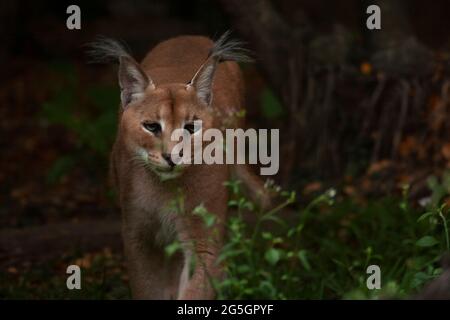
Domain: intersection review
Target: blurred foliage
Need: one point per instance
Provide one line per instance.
(439, 188)
(326, 251)
(271, 105)
(90, 115)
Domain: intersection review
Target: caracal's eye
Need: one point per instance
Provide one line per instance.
(191, 127)
(153, 127)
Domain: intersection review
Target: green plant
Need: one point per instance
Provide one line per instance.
(88, 114)
(323, 250)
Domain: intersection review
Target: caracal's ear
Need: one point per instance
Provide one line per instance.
(202, 81)
(132, 79)
(222, 50)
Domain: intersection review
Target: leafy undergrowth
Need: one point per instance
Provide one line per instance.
(321, 251)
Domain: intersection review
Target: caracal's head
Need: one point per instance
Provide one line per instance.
(156, 118)
(160, 122)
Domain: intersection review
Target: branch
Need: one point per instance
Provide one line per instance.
(53, 240)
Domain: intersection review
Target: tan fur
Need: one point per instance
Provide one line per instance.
(149, 223)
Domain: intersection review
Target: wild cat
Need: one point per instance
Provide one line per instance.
(181, 80)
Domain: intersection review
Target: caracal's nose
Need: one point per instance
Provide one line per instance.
(168, 158)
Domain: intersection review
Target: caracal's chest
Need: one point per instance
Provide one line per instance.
(153, 210)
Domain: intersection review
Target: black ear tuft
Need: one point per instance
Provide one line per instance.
(104, 50)
(223, 49)
(226, 49)
(132, 79)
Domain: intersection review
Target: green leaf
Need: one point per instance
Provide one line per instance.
(446, 180)
(424, 216)
(172, 248)
(427, 241)
(271, 105)
(241, 113)
(278, 240)
(232, 203)
(304, 259)
(432, 182)
(274, 219)
(229, 254)
(208, 218)
(267, 235)
(243, 269)
(291, 232)
(272, 256)
(60, 168)
(419, 279)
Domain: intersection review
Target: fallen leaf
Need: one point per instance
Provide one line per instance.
(366, 68)
(446, 151)
(312, 187)
(12, 270)
(349, 190)
(378, 166)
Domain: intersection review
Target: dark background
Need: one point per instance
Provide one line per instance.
(363, 111)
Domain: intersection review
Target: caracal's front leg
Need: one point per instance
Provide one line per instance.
(152, 274)
(200, 265)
